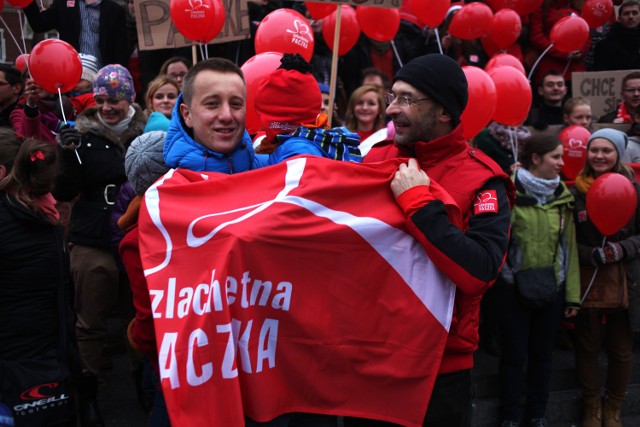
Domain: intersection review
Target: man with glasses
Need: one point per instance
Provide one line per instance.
(467, 244)
(630, 101)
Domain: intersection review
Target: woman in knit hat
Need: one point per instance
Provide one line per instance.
(93, 169)
(617, 261)
(288, 103)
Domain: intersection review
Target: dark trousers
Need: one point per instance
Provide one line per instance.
(450, 404)
(528, 335)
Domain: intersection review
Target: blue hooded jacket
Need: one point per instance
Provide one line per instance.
(182, 151)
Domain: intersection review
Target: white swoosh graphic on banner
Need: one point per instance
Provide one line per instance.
(405, 255)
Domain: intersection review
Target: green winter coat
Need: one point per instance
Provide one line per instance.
(535, 229)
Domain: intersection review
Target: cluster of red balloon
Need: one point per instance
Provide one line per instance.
(198, 20)
(501, 92)
(611, 202)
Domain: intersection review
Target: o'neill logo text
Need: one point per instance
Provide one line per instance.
(40, 398)
(486, 201)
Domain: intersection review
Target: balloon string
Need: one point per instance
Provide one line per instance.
(567, 67)
(538, 61)
(395, 51)
(438, 40)
(514, 143)
(604, 240)
(64, 118)
(11, 34)
(22, 24)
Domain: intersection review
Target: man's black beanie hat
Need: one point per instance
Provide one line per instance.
(438, 77)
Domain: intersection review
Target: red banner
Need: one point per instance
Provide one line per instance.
(293, 288)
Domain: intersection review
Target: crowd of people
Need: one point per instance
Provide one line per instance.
(74, 170)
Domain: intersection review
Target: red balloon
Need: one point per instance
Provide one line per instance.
(574, 143)
(505, 28)
(19, 4)
(596, 12)
(198, 20)
(482, 101)
(285, 31)
(525, 7)
(254, 70)
(432, 12)
(569, 33)
(319, 10)
(22, 61)
(497, 5)
(378, 23)
(514, 95)
(472, 21)
(349, 30)
(55, 64)
(611, 202)
(503, 59)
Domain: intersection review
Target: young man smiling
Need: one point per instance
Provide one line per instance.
(207, 130)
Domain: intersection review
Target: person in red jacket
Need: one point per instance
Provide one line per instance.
(425, 103)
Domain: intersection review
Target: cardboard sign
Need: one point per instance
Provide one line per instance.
(602, 88)
(394, 4)
(156, 30)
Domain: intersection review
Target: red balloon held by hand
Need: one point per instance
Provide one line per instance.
(55, 64)
(285, 31)
(569, 33)
(574, 144)
(611, 202)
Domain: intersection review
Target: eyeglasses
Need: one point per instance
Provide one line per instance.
(632, 90)
(403, 101)
(177, 76)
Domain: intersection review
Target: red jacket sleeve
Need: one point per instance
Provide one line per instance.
(471, 258)
(142, 333)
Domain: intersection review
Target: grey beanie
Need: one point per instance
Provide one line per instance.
(440, 78)
(144, 162)
(617, 138)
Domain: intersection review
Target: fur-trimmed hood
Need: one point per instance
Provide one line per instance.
(88, 122)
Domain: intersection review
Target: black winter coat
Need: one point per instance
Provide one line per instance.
(64, 17)
(619, 50)
(97, 179)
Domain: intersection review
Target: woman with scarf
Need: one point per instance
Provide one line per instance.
(93, 169)
(542, 235)
(601, 325)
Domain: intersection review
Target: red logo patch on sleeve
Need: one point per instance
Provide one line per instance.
(486, 201)
(582, 216)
